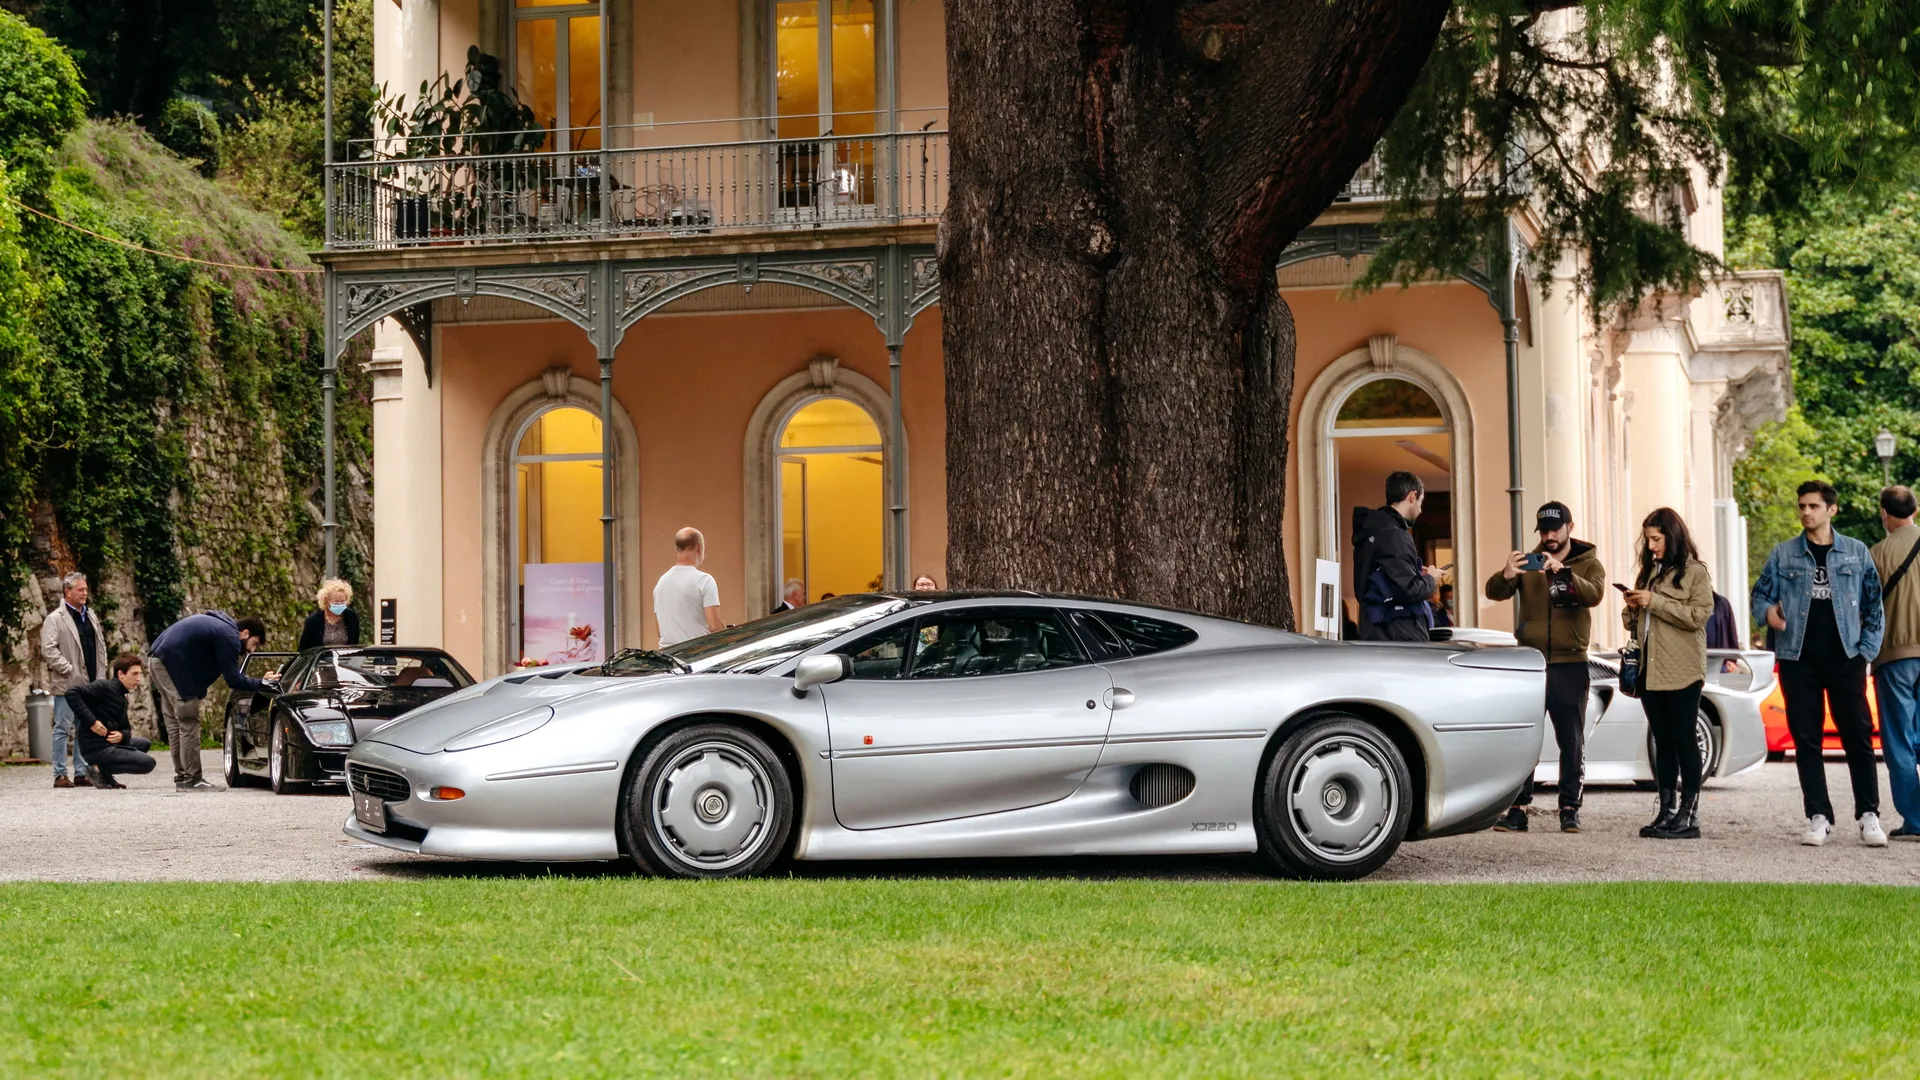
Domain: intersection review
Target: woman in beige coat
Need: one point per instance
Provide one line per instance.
(1667, 612)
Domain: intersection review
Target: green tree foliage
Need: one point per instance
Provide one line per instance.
(40, 95)
(1595, 114)
(137, 55)
(1764, 481)
(1853, 289)
(112, 357)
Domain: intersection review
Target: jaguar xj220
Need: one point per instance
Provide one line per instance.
(928, 725)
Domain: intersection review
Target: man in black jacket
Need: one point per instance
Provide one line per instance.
(100, 723)
(1393, 588)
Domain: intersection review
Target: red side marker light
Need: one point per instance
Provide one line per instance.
(447, 794)
(868, 739)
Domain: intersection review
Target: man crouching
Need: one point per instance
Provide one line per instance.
(100, 722)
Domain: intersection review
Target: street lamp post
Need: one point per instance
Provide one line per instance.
(1883, 445)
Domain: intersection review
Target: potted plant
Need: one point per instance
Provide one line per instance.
(445, 121)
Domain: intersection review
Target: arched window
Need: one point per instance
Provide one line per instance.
(830, 499)
(557, 605)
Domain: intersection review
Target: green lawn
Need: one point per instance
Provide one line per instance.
(618, 977)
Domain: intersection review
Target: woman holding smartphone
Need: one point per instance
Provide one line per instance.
(1667, 610)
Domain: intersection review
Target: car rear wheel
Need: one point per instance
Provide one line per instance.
(279, 767)
(708, 801)
(230, 758)
(1706, 736)
(1334, 801)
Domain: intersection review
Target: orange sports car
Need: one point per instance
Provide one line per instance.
(1773, 713)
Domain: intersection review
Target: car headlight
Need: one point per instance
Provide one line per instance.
(499, 731)
(332, 733)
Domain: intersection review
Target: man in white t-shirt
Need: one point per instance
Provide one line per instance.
(686, 600)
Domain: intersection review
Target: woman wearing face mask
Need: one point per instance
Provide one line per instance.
(335, 623)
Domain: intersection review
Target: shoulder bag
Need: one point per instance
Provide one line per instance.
(1633, 659)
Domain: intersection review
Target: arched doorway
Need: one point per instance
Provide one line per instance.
(1386, 425)
(555, 607)
(1374, 411)
(830, 499)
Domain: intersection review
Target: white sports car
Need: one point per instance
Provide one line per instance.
(1728, 727)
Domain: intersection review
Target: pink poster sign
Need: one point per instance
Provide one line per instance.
(560, 613)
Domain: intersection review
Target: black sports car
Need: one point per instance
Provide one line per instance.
(329, 698)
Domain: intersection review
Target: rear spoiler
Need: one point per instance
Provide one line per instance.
(1740, 670)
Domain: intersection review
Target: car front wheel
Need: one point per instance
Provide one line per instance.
(708, 801)
(1334, 801)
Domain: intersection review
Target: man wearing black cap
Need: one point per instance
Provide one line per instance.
(1554, 591)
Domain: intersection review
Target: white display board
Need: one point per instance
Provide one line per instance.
(1326, 597)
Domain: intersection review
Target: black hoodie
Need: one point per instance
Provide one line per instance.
(104, 700)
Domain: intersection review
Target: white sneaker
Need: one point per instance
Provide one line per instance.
(1871, 834)
(1817, 829)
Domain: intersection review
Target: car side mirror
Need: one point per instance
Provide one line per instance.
(814, 671)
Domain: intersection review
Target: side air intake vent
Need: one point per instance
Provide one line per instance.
(1161, 785)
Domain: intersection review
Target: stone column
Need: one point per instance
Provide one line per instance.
(1560, 336)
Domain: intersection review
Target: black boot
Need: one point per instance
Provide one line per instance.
(1686, 822)
(1669, 801)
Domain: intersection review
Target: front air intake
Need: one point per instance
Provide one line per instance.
(1160, 785)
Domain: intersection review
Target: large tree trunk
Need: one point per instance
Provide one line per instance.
(1119, 360)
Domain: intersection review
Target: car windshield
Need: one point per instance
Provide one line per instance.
(396, 669)
(763, 643)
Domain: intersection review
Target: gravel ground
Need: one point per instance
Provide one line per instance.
(1751, 824)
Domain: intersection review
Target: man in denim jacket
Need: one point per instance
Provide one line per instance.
(1821, 595)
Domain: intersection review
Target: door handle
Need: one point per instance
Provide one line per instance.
(1119, 698)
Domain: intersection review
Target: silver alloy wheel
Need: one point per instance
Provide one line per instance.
(227, 765)
(711, 805)
(1341, 797)
(276, 766)
(1703, 738)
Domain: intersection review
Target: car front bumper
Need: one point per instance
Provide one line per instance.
(562, 813)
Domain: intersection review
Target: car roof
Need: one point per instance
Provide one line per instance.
(935, 596)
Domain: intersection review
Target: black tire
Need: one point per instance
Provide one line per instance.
(279, 762)
(1776, 755)
(230, 759)
(707, 801)
(1334, 801)
(1705, 732)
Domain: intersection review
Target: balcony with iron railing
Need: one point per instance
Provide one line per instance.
(663, 180)
(666, 180)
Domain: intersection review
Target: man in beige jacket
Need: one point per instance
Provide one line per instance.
(1896, 671)
(75, 652)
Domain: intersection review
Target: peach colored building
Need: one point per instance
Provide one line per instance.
(733, 259)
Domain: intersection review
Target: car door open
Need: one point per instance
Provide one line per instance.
(969, 711)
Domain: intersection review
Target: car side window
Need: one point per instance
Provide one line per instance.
(1144, 636)
(883, 653)
(1098, 635)
(964, 643)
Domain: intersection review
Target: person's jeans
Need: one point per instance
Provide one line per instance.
(1676, 753)
(181, 719)
(63, 738)
(127, 757)
(1567, 685)
(1812, 688)
(1897, 685)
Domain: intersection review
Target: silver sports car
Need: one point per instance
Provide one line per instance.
(1728, 727)
(925, 725)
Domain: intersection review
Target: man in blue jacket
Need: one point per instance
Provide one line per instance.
(184, 661)
(1821, 595)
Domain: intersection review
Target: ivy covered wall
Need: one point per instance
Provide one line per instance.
(160, 425)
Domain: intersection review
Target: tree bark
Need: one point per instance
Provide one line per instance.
(1119, 360)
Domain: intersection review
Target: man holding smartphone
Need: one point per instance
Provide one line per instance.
(1554, 589)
